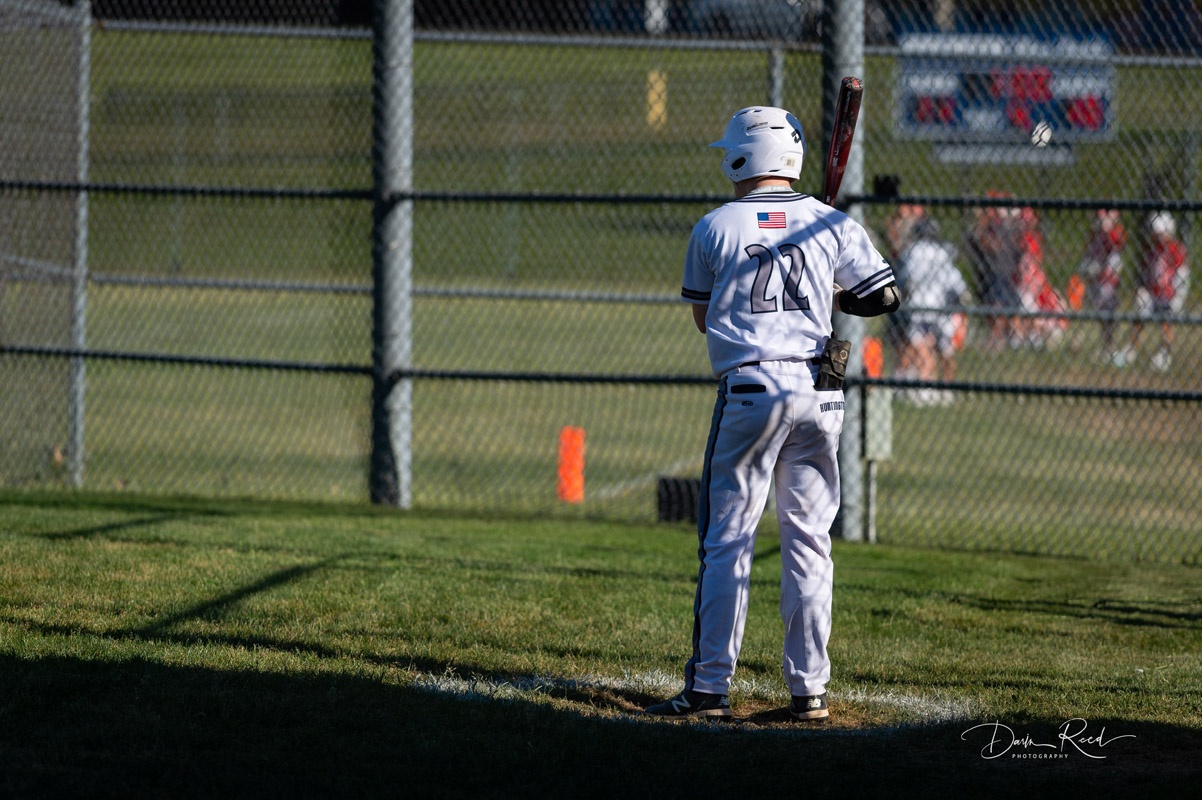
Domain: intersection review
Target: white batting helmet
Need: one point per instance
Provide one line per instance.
(762, 140)
(1163, 224)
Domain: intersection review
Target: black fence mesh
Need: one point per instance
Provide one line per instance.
(186, 263)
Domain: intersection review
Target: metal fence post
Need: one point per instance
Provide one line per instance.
(776, 77)
(842, 55)
(392, 252)
(79, 278)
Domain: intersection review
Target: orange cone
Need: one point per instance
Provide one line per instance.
(570, 486)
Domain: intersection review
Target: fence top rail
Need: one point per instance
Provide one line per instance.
(649, 42)
(232, 29)
(281, 193)
(1045, 203)
(636, 42)
(602, 40)
(257, 192)
(43, 11)
(461, 37)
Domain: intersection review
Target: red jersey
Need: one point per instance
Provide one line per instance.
(1165, 263)
(1105, 249)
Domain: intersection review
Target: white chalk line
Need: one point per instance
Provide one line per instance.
(918, 708)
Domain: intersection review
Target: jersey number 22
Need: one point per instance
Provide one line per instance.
(761, 303)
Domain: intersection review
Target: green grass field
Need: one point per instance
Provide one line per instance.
(1085, 478)
(155, 647)
(161, 635)
(1109, 479)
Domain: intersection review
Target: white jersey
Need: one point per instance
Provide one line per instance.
(930, 279)
(766, 265)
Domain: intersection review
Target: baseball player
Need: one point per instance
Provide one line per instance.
(1164, 285)
(932, 280)
(1101, 268)
(759, 273)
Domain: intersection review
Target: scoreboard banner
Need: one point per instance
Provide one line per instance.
(995, 89)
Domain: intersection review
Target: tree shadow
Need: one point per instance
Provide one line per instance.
(1152, 613)
(1161, 614)
(93, 726)
(370, 724)
(76, 726)
(110, 528)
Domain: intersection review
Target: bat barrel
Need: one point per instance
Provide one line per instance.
(847, 111)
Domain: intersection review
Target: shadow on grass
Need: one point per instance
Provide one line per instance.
(209, 608)
(115, 501)
(1123, 612)
(74, 727)
(1151, 613)
(97, 727)
(248, 506)
(107, 530)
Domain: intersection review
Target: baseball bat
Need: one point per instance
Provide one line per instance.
(847, 111)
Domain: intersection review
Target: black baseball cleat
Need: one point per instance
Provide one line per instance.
(692, 704)
(809, 707)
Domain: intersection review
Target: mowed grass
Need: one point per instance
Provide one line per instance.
(1094, 478)
(1116, 480)
(156, 647)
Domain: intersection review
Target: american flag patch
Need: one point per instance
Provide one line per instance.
(771, 219)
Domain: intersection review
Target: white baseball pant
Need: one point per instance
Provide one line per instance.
(769, 422)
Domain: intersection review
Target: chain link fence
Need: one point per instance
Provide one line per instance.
(186, 253)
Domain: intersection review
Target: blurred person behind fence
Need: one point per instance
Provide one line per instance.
(991, 247)
(1101, 271)
(900, 230)
(932, 282)
(1164, 283)
(1035, 291)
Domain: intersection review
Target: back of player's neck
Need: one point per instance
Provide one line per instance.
(769, 187)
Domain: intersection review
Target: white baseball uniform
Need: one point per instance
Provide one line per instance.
(765, 265)
(931, 280)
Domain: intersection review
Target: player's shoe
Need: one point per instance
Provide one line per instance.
(1162, 360)
(692, 704)
(809, 707)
